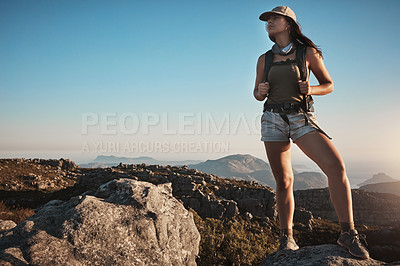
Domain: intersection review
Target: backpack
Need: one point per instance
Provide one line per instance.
(302, 65)
(307, 101)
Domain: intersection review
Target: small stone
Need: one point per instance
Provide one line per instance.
(7, 225)
(249, 215)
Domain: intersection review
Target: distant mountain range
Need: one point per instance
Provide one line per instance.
(378, 178)
(103, 161)
(238, 166)
(248, 167)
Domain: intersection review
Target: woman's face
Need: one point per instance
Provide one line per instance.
(277, 24)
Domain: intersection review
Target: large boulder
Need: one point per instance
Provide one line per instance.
(320, 255)
(126, 222)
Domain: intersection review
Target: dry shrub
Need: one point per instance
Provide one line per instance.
(234, 241)
(14, 213)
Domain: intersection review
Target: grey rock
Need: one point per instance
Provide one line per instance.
(304, 218)
(262, 207)
(320, 255)
(218, 209)
(302, 215)
(126, 222)
(231, 209)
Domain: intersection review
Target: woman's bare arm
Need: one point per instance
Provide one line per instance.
(317, 66)
(259, 78)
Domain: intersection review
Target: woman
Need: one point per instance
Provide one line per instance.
(288, 113)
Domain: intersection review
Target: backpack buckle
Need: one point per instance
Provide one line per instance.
(288, 106)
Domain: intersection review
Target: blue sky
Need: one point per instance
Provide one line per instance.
(60, 60)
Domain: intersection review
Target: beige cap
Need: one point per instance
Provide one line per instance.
(281, 10)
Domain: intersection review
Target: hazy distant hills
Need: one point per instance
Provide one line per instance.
(233, 164)
(378, 178)
(244, 167)
(247, 167)
(108, 161)
(238, 166)
(381, 183)
(386, 187)
(307, 180)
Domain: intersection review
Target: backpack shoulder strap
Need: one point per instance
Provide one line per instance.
(302, 61)
(269, 57)
(302, 64)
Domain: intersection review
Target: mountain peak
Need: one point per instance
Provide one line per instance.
(378, 178)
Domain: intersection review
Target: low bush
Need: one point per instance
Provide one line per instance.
(14, 213)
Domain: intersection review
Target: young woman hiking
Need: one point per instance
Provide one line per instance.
(282, 79)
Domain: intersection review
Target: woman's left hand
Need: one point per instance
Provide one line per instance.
(305, 87)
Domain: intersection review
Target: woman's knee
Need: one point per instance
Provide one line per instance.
(284, 182)
(335, 168)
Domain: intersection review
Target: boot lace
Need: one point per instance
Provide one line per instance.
(360, 237)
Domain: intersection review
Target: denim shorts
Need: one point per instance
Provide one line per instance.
(274, 128)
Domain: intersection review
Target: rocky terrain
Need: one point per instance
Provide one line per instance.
(327, 254)
(110, 160)
(211, 199)
(370, 208)
(208, 195)
(36, 174)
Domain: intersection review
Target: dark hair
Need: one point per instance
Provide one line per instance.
(297, 36)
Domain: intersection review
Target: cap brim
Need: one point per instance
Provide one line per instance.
(264, 16)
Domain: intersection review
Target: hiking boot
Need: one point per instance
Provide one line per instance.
(286, 243)
(355, 243)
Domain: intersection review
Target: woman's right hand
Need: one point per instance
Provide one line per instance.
(263, 89)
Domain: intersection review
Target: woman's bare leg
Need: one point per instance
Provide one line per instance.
(322, 151)
(279, 157)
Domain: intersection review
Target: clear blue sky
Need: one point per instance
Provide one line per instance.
(60, 60)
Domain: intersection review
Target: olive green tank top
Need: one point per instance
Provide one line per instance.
(283, 82)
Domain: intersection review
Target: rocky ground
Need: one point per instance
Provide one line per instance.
(326, 254)
(36, 174)
(31, 183)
